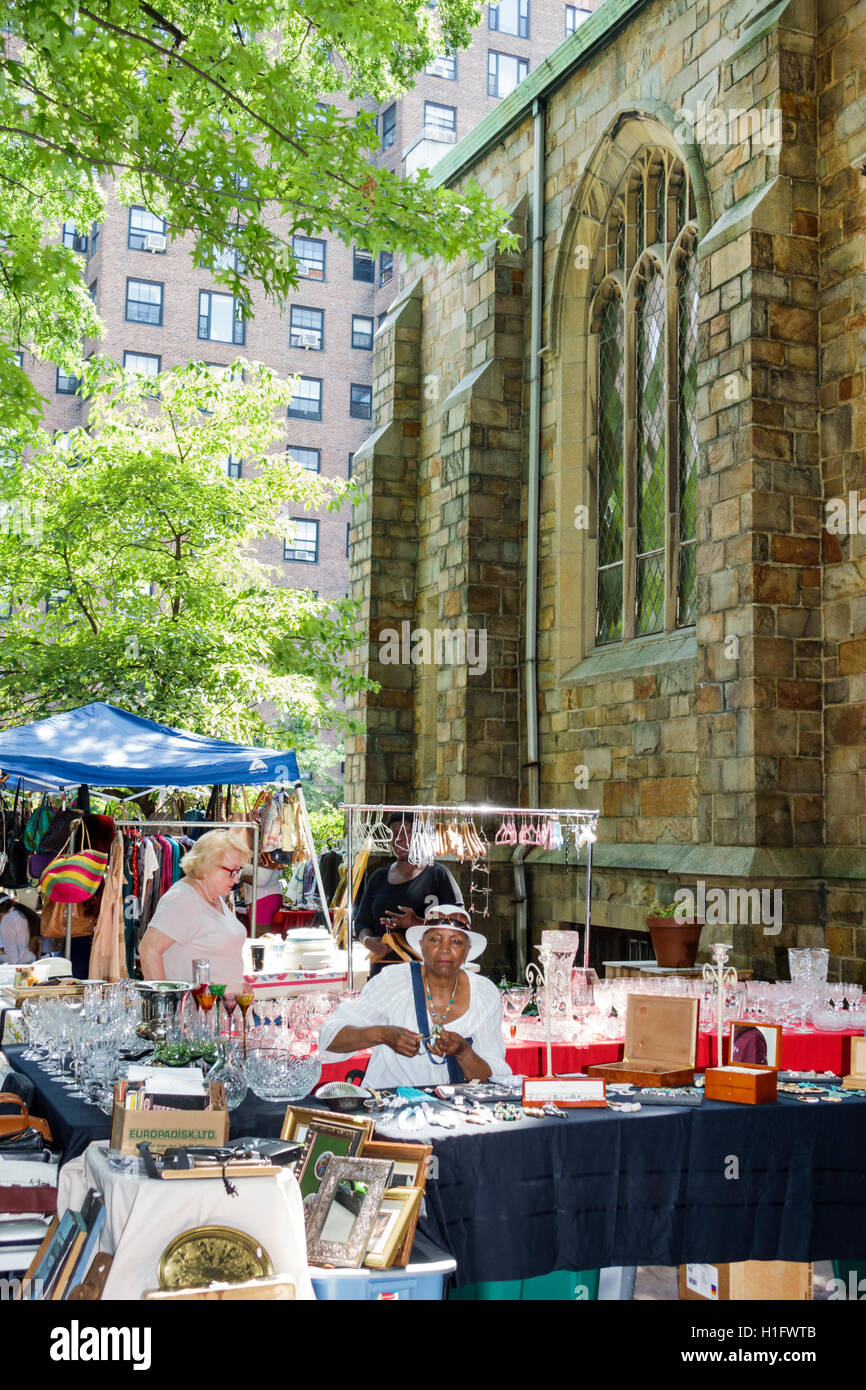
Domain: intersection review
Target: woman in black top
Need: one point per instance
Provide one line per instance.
(398, 896)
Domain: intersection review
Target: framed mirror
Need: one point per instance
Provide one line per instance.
(755, 1045)
(343, 1211)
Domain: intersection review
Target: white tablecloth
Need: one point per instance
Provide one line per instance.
(143, 1215)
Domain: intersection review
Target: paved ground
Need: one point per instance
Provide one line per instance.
(659, 1283)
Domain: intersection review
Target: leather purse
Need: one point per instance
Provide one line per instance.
(19, 1125)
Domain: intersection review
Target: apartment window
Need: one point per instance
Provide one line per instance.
(5, 606)
(389, 127)
(146, 231)
(144, 302)
(362, 266)
(510, 17)
(229, 259)
(361, 402)
(220, 318)
(351, 465)
(73, 239)
(94, 237)
(362, 331)
(311, 459)
(232, 466)
(386, 267)
(440, 117)
(348, 529)
(67, 384)
(574, 17)
(306, 403)
(304, 545)
(57, 598)
(381, 319)
(310, 255)
(444, 66)
(19, 359)
(504, 72)
(306, 328)
(144, 363)
(92, 290)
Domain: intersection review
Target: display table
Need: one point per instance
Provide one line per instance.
(600, 1189)
(142, 1215)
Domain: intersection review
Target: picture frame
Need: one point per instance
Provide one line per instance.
(324, 1139)
(411, 1161)
(297, 1120)
(393, 1230)
(754, 1044)
(344, 1210)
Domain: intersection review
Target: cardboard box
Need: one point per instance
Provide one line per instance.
(856, 1080)
(165, 1129)
(762, 1280)
(747, 1082)
(661, 1043)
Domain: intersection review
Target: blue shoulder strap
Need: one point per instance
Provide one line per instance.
(455, 1071)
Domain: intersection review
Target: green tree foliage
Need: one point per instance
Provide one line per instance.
(215, 114)
(149, 557)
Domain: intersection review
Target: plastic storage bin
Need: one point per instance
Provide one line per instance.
(424, 1277)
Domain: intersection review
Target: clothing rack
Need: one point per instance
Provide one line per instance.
(590, 818)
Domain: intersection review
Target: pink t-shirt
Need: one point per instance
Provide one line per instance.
(200, 932)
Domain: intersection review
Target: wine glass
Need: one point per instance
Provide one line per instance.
(515, 1001)
(217, 991)
(244, 1000)
(230, 1003)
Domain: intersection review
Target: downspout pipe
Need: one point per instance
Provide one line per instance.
(533, 487)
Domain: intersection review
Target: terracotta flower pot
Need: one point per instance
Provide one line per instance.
(675, 943)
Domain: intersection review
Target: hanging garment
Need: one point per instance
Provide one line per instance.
(108, 951)
(329, 868)
(148, 886)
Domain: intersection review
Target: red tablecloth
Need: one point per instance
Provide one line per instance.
(812, 1051)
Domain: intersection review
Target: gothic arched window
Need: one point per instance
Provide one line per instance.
(645, 329)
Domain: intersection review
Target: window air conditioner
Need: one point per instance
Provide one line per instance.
(155, 241)
(306, 338)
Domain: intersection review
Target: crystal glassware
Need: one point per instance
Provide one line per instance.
(244, 1001)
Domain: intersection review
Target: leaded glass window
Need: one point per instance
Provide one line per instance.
(645, 324)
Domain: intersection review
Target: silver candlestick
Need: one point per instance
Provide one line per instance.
(721, 975)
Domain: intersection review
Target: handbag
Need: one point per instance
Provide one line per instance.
(56, 838)
(37, 825)
(16, 1126)
(73, 878)
(14, 870)
(54, 919)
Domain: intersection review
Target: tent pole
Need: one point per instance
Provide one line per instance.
(69, 905)
(308, 830)
(253, 909)
(350, 927)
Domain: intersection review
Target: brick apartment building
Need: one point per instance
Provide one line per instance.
(693, 651)
(159, 311)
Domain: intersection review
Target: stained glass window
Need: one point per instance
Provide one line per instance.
(647, 374)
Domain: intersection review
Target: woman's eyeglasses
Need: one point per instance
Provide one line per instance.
(232, 873)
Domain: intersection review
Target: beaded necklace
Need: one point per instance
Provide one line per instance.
(438, 1019)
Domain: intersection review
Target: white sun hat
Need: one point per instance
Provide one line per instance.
(438, 915)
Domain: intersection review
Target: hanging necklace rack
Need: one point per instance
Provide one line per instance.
(453, 831)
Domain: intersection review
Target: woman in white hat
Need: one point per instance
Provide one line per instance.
(427, 1022)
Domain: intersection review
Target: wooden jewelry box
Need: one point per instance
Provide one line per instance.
(856, 1079)
(661, 1043)
(745, 1079)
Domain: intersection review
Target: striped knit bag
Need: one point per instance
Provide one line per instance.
(73, 877)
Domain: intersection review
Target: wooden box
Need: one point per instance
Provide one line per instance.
(661, 1043)
(856, 1079)
(764, 1280)
(164, 1129)
(747, 1082)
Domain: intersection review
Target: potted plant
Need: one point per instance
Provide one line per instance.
(675, 936)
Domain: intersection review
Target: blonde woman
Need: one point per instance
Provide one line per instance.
(194, 920)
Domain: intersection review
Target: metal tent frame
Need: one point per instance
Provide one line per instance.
(570, 813)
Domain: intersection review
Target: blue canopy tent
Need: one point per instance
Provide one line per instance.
(103, 746)
(100, 745)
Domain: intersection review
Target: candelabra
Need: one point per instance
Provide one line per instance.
(721, 975)
(557, 952)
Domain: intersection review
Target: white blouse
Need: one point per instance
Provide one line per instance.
(388, 1000)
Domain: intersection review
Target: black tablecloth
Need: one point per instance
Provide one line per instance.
(75, 1124)
(712, 1184)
